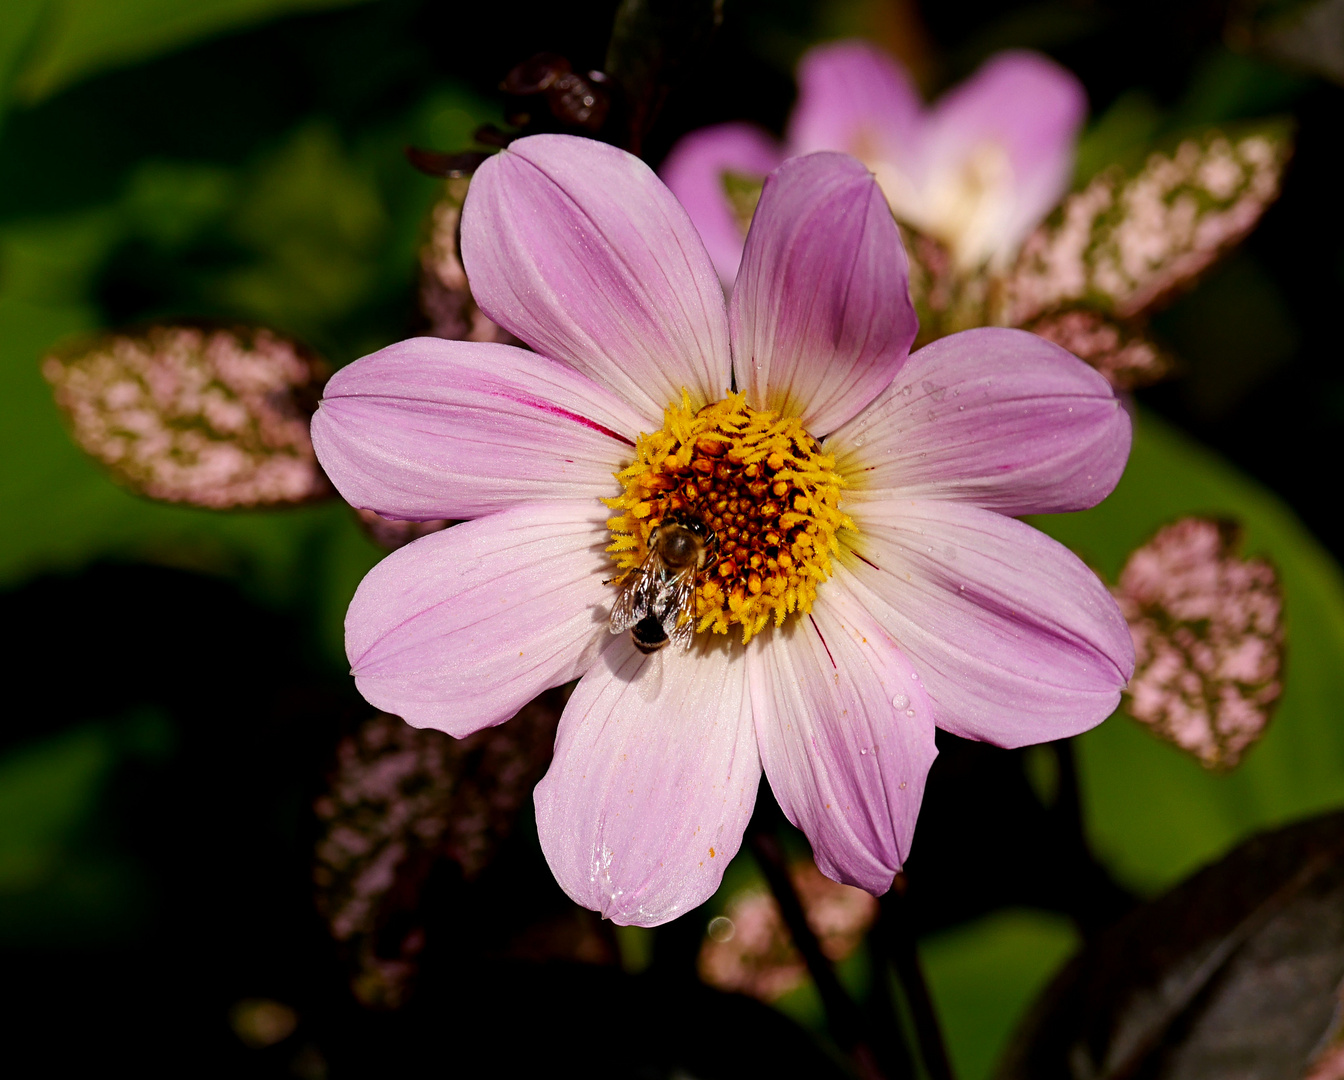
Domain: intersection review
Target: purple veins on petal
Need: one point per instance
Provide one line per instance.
(428, 429)
(578, 249)
(820, 316)
(653, 781)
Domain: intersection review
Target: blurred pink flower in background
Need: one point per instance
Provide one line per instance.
(922, 603)
(748, 950)
(977, 170)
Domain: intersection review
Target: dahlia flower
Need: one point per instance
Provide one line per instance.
(978, 170)
(867, 582)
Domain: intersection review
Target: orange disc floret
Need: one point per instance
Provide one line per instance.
(765, 488)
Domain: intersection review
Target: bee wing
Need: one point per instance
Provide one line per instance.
(637, 594)
(681, 601)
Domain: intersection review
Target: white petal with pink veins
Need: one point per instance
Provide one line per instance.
(653, 782)
(429, 429)
(821, 315)
(577, 248)
(845, 728)
(1015, 639)
(999, 418)
(460, 629)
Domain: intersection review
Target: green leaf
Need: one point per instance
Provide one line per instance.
(59, 877)
(1153, 814)
(983, 975)
(20, 21)
(80, 37)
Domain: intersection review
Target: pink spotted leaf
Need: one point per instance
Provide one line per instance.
(400, 800)
(1121, 351)
(210, 416)
(1208, 638)
(1126, 243)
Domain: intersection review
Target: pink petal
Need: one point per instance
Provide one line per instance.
(854, 97)
(1014, 638)
(578, 249)
(846, 736)
(694, 172)
(821, 315)
(430, 429)
(461, 628)
(1033, 109)
(653, 782)
(999, 418)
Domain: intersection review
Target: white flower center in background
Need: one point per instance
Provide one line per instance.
(964, 201)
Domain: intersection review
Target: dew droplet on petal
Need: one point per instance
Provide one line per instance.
(909, 712)
(900, 701)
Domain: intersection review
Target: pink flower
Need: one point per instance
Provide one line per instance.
(978, 170)
(868, 582)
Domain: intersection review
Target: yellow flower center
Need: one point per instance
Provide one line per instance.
(764, 487)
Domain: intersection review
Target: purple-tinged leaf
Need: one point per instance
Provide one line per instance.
(1208, 640)
(400, 800)
(1234, 973)
(211, 416)
(1121, 352)
(747, 949)
(445, 297)
(1124, 244)
(1328, 1064)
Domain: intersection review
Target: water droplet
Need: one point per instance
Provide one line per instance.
(721, 929)
(909, 712)
(961, 408)
(905, 391)
(900, 701)
(914, 675)
(863, 750)
(859, 440)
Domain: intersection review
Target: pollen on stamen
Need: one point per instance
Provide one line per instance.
(765, 488)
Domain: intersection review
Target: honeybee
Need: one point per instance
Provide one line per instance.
(656, 602)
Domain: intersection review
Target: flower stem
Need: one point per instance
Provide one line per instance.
(887, 1060)
(899, 942)
(1095, 900)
